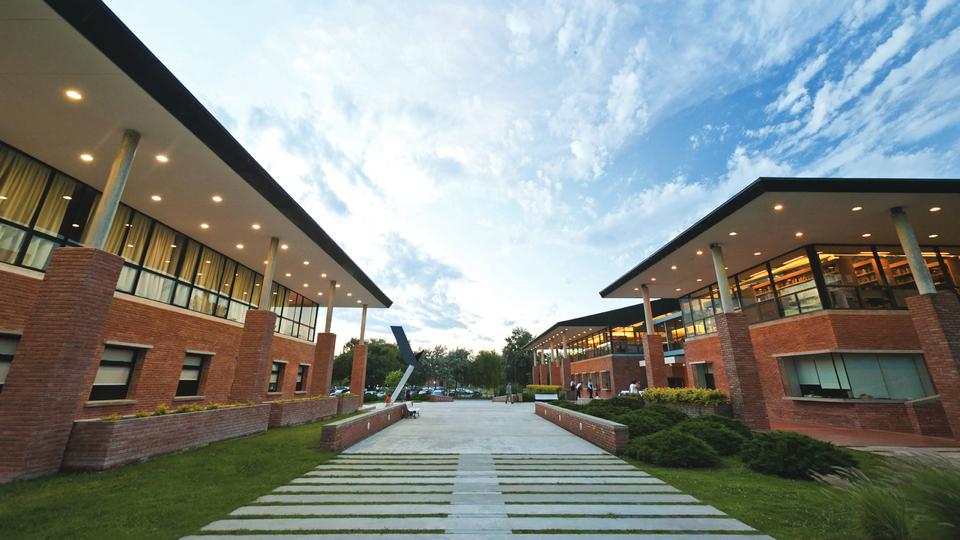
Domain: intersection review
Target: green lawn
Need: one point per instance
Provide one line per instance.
(785, 509)
(164, 498)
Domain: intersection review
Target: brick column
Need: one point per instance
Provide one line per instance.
(565, 374)
(536, 372)
(655, 369)
(254, 357)
(358, 375)
(740, 368)
(323, 363)
(936, 318)
(56, 361)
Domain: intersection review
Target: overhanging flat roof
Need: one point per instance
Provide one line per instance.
(819, 208)
(46, 48)
(625, 316)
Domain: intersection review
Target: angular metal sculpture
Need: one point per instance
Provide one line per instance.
(407, 357)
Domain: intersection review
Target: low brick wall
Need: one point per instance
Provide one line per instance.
(441, 399)
(693, 409)
(101, 444)
(301, 412)
(608, 435)
(342, 434)
(928, 417)
(348, 404)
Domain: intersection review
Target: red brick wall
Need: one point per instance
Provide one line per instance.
(705, 349)
(100, 444)
(608, 435)
(323, 363)
(623, 369)
(936, 318)
(348, 404)
(301, 412)
(358, 372)
(340, 435)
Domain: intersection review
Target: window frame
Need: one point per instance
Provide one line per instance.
(201, 370)
(136, 355)
(3, 356)
(303, 371)
(275, 384)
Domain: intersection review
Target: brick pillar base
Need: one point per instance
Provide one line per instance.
(254, 357)
(936, 318)
(656, 370)
(536, 374)
(358, 375)
(56, 361)
(740, 368)
(565, 373)
(323, 363)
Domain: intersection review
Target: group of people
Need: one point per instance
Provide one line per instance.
(577, 387)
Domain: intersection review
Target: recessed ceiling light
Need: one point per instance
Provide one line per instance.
(204, 226)
(778, 206)
(3, 197)
(857, 208)
(255, 226)
(699, 280)
(67, 197)
(338, 285)
(156, 198)
(677, 289)
(934, 208)
(673, 267)
(306, 263)
(239, 246)
(284, 246)
(173, 245)
(266, 262)
(306, 284)
(756, 253)
(75, 225)
(86, 157)
(359, 301)
(636, 288)
(933, 235)
(699, 252)
(288, 274)
(323, 275)
(162, 158)
(866, 235)
(733, 233)
(73, 94)
(217, 198)
(319, 294)
(798, 234)
(349, 294)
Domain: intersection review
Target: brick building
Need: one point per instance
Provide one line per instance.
(838, 307)
(145, 257)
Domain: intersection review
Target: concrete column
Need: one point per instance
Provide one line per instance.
(740, 369)
(269, 269)
(936, 318)
(911, 248)
(254, 357)
(363, 322)
(723, 284)
(330, 295)
(647, 308)
(358, 374)
(56, 361)
(99, 227)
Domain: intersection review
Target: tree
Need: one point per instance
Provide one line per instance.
(488, 368)
(393, 378)
(382, 358)
(518, 362)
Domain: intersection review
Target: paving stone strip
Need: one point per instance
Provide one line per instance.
(482, 496)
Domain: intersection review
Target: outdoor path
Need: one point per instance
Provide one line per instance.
(543, 483)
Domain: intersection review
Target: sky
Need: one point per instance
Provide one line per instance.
(495, 164)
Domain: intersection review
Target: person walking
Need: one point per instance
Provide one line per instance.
(509, 399)
(590, 388)
(579, 389)
(573, 388)
(633, 386)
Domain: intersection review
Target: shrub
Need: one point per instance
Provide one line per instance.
(933, 485)
(698, 396)
(161, 410)
(880, 509)
(672, 415)
(141, 414)
(113, 417)
(642, 422)
(792, 455)
(672, 448)
(730, 423)
(722, 439)
(543, 388)
(632, 403)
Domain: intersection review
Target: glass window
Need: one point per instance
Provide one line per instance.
(22, 181)
(10, 240)
(243, 285)
(189, 384)
(229, 274)
(795, 287)
(700, 317)
(858, 376)
(900, 278)
(8, 346)
(59, 197)
(118, 230)
(757, 296)
(155, 287)
(164, 251)
(190, 259)
(852, 278)
(951, 260)
(38, 253)
(276, 377)
(301, 377)
(211, 267)
(703, 375)
(113, 375)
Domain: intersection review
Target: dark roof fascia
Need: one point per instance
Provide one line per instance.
(102, 28)
(779, 185)
(615, 317)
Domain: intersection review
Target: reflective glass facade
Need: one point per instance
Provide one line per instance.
(42, 209)
(627, 339)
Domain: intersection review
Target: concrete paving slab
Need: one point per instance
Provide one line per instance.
(474, 510)
(579, 480)
(575, 473)
(371, 488)
(597, 498)
(585, 490)
(358, 498)
(464, 536)
(376, 480)
(382, 473)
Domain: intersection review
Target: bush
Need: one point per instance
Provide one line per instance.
(730, 423)
(725, 441)
(792, 455)
(698, 396)
(672, 415)
(161, 410)
(879, 508)
(933, 485)
(642, 422)
(672, 448)
(632, 403)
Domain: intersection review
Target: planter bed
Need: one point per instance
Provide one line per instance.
(608, 435)
(696, 409)
(342, 434)
(289, 413)
(348, 404)
(101, 444)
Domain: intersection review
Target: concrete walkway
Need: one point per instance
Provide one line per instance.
(476, 470)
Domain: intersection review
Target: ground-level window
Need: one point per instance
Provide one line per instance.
(189, 384)
(276, 377)
(703, 376)
(113, 376)
(605, 379)
(8, 346)
(857, 376)
(302, 377)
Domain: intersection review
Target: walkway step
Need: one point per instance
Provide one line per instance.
(466, 536)
(357, 498)
(375, 480)
(479, 509)
(371, 488)
(596, 498)
(586, 490)
(579, 480)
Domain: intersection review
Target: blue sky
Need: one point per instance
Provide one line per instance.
(498, 163)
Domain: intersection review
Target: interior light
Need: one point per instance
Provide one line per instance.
(204, 226)
(162, 158)
(255, 226)
(359, 301)
(284, 246)
(156, 198)
(239, 246)
(306, 284)
(217, 198)
(733, 233)
(934, 208)
(323, 275)
(857, 208)
(932, 235)
(288, 274)
(319, 294)
(636, 288)
(798, 234)
(73, 94)
(673, 267)
(778, 207)
(173, 245)
(653, 279)
(306, 263)
(67, 197)
(338, 285)
(699, 252)
(199, 274)
(866, 235)
(678, 290)
(75, 225)
(86, 157)
(757, 253)
(129, 245)
(206, 262)
(3, 197)
(349, 294)
(699, 280)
